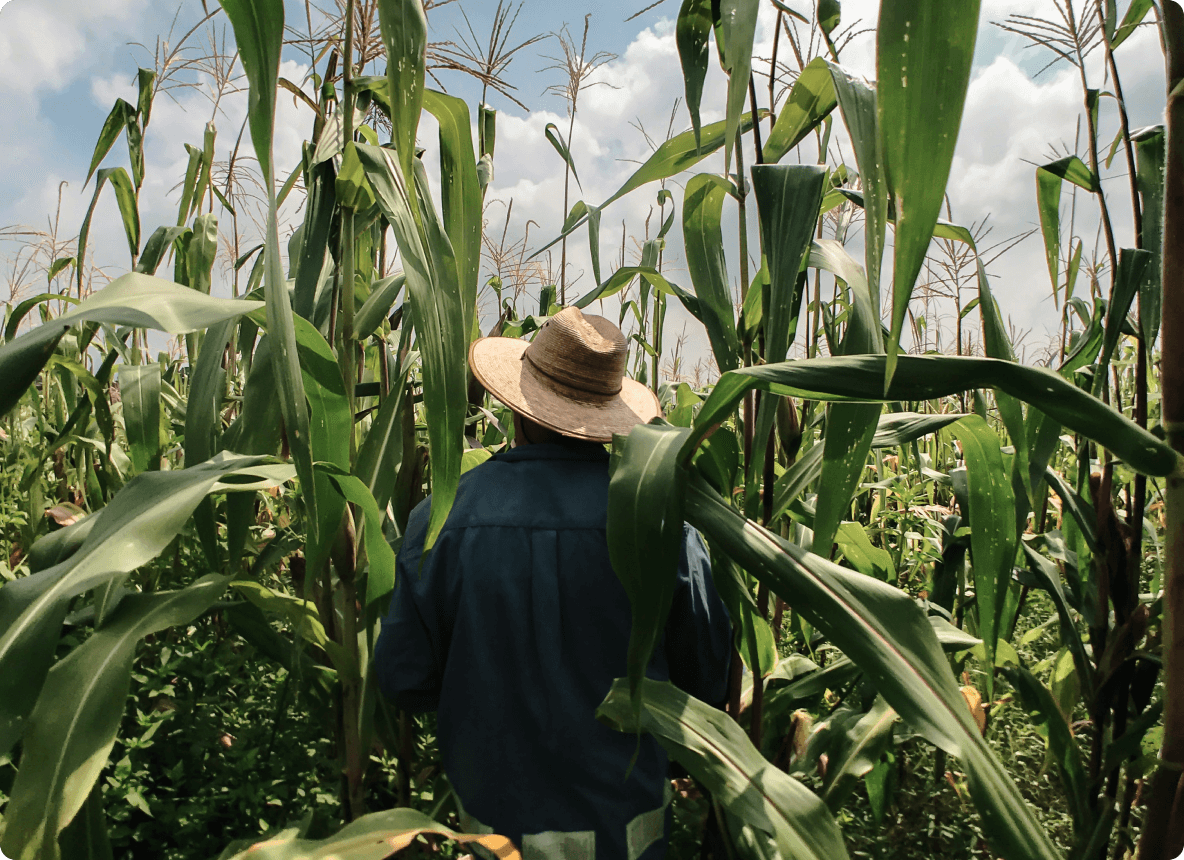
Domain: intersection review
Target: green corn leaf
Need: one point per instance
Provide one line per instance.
(788, 197)
(1047, 717)
(259, 32)
(1135, 13)
(858, 751)
(645, 531)
(383, 295)
(737, 28)
(135, 526)
(380, 579)
(856, 547)
(1132, 268)
(857, 100)
(992, 533)
(691, 35)
(1149, 158)
(86, 836)
(1048, 577)
(460, 193)
(702, 232)
(21, 310)
(997, 345)
(811, 99)
(125, 197)
(673, 156)
(753, 635)
(133, 299)
(850, 426)
(1073, 169)
(351, 188)
(158, 244)
(715, 750)
(139, 391)
(927, 377)
(924, 50)
(76, 721)
(1048, 202)
(121, 114)
(405, 35)
(551, 132)
(381, 455)
(318, 219)
(438, 319)
(201, 252)
(886, 634)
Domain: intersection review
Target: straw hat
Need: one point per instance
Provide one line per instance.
(571, 378)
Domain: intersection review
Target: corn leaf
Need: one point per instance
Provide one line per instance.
(134, 527)
(714, 749)
(460, 193)
(691, 35)
(133, 299)
(139, 391)
(702, 232)
(76, 721)
(404, 29)
(811, 100)
(886, 634)
(645, 532)
(926, 377)
(438, 319)
(1149, 157)
(924, 50)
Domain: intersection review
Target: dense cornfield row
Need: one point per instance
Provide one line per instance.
(955, 565)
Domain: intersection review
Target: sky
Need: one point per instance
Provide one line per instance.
(66, 62)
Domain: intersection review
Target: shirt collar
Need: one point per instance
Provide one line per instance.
(576, 449)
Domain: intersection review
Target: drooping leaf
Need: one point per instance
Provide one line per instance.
(811, 99)
(134, 527)
(924, 50)
(1135, 13)
(374, 310)
(76, 721)
(691, 35)
(885, 633)
(142, 301)
(736, 30)
(857, 753)
(715, 750)
(927, 377)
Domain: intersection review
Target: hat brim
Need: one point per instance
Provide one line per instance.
(499, 365)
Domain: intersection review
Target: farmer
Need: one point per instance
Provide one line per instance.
(515, 626)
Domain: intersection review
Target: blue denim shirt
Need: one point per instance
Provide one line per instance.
(513, 630)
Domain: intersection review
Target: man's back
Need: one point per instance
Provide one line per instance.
(515, 628)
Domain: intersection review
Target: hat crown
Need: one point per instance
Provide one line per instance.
(586, 353)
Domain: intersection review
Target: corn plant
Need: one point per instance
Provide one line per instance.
(312, 412)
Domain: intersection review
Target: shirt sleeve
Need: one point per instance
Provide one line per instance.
(412, 647)
(698, 631)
